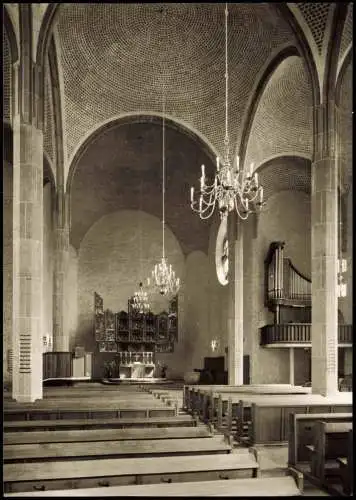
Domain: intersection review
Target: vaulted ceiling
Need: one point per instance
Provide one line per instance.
(117, 57)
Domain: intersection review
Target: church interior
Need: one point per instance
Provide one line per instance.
(177, 249)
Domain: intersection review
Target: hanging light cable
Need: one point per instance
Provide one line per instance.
(232, 187)
(341, 263)
(140, 301)
(164, 278)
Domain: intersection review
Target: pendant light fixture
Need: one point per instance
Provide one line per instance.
(233, 187)
(163, 276)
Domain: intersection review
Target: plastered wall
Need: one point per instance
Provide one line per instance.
(286, 217)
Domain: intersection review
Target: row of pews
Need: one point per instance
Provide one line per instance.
(94, 440)
(321, 447)
(317, 430)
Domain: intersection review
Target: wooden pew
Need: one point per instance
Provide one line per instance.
(270, 419)
(87, 410)
(331, 440)
(113, 449)
(301, 428)
(99, 423)
(190, 392)
(275, 486)
(65, 436)
(112, 472)
(346, 468)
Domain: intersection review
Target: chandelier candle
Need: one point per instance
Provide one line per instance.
(232, 188)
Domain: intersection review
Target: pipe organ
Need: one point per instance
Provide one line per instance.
(285, 285)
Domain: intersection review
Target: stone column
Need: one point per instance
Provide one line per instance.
(27, 218)
(235, 294)
(324, 254)
(60, 333)
(27, 262)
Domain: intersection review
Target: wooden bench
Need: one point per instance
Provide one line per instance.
(99, 423)
(88, 411)
(331, 440)
(114, 449)
(275, 486)
(67, 436)
(113, 472)
(346, 467)
(270, 419)
(190, 392)
(301, 428)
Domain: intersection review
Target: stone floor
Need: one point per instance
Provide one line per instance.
(273, 462)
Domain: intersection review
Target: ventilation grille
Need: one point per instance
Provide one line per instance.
(25, 353)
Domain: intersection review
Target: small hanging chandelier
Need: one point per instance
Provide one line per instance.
(140, 302)
(232, 187)
(163, 276)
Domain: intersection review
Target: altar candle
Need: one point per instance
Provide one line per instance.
(217, 164)
(192, 194)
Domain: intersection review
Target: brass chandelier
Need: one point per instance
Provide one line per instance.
(233, 188)
(163, 275)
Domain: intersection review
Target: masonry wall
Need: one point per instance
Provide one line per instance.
(345, 303)
(7, 265)
(71, 298)
(48, 263)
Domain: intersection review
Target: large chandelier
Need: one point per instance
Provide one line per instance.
(233, 188)
(140, 302)
(163, 276)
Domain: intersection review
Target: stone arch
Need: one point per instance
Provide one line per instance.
(257, 92)
(136, 118)
(282, 114)
(343, 68)
(44, 36)
(332, 52)
(10, 33)
(304, 48)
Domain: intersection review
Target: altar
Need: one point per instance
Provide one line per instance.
(136, 370)
(136, 365)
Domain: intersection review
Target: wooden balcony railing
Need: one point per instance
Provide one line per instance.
(294, 333)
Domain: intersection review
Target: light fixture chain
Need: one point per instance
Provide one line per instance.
(226, 87)
(163, 168)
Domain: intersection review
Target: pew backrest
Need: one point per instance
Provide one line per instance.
(301, 432)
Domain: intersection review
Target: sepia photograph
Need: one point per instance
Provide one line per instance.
(177, 249)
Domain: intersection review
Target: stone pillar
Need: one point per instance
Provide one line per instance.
(27, 262)
(27, 218)
(251, 285)
(324, 254)
(235, 294)
(291, 365)
(60, 332)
